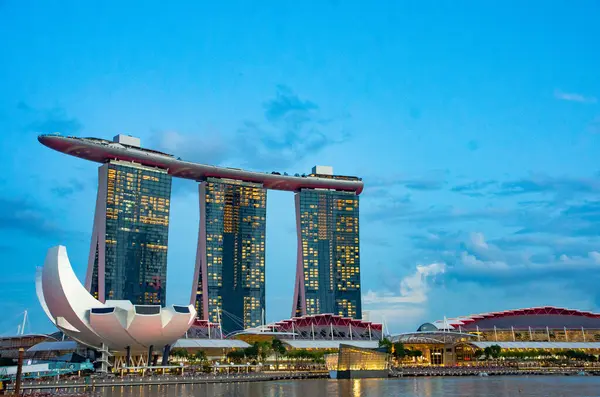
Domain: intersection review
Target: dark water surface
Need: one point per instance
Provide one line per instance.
(535, 386)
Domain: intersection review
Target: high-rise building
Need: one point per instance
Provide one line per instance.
(128, 252)
(229, 281)
(328, 262)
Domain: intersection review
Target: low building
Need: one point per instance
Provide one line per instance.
(317, 332)
(459, 340)
(352, 362)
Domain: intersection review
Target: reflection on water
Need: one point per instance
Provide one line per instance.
(540, 386)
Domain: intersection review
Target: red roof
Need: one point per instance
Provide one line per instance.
(531, 311)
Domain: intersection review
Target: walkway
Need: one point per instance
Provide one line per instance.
(170, 380)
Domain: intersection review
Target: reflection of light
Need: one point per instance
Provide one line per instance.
(356, 383)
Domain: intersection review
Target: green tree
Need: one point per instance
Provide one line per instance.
(252, 351)
(279, 350)
(264, 350)
(487, 352)
(495, 351)
(386, 344)
(399, 352)
(200, 356)
(180, 353)
(236, 356)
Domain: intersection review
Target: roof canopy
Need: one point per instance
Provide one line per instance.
(535, 317)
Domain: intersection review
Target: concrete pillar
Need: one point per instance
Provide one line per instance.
(150, 355)
(165, 358)
(128, 356)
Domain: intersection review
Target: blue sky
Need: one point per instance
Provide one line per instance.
(475, 126)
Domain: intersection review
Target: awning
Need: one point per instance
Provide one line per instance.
(53, 346)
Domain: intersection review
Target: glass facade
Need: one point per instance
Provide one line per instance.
(137, 204)
(329, 253)
(235, 226)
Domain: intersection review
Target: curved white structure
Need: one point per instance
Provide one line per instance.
(118, 325)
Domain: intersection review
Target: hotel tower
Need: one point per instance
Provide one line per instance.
(328, 256)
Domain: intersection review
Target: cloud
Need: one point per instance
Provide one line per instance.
(574, 97)
(26, 217)
(472, 188)
(534, 184)
(406, 303)
(286, 103)
(576, 219)
(205, 149)
(436, 215)
(434, 180)
(50, 120)
(470, 258)
(72, 187)
(595, 256)
(291, 129)
(413, 288)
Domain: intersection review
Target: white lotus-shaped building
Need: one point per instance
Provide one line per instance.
(114, 325)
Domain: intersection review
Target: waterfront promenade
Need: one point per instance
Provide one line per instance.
(83, 383)
(490, 371)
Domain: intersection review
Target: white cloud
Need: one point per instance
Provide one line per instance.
(405, 307)
(471, 261)
(478, 240)
(413, 288)
(595, 255)
(574, 97)
(397, 318)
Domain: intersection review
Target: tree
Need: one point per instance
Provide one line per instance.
(200, 356)
(236, 356)
(252, 351)
(180, 353)
(386, 344)
(399, 352)
(279, 350)
(264, 350)
(487, 352)
(495, 351)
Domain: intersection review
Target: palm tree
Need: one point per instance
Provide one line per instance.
(399, 351)
(279, 350)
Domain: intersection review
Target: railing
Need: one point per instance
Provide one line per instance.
(169, 380)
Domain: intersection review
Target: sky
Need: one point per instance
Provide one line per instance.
(474, 125)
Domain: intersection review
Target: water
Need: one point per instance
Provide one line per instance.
(535, 386)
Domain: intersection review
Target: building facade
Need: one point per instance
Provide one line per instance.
(229, 280)
(328, 256)
(520, 333)
(128, 252)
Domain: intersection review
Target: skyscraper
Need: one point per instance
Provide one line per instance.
(229, 281)
(128, 252)
(328, 262)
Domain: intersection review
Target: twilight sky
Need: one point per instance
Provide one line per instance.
(476, 129)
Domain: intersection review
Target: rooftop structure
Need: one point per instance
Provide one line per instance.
(320, 327)
(534, 317)
(124, 149)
